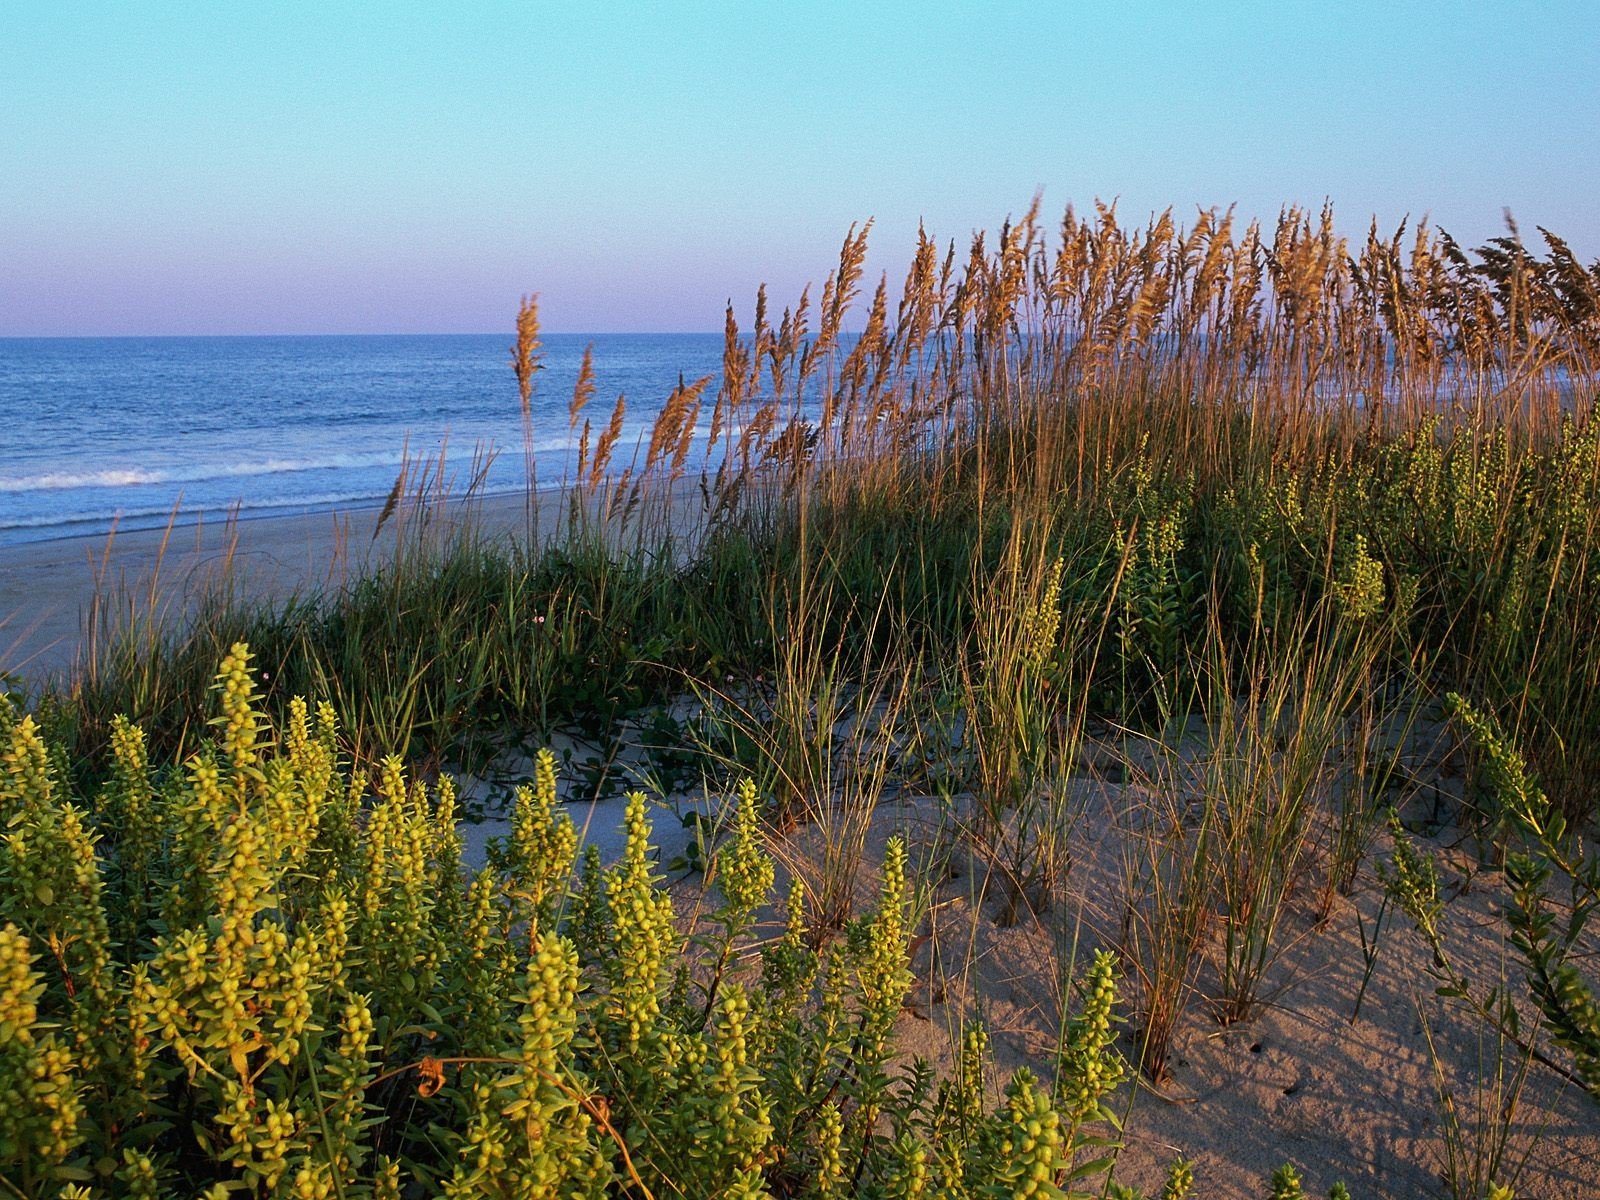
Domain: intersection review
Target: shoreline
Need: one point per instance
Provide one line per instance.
(47, 586)
(188, 518)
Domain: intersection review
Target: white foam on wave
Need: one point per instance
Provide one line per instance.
(113, 477)
(55, 480)
(117, 477)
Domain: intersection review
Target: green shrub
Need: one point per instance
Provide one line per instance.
(306, 996)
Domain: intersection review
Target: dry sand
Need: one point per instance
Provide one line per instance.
(1300, 1082)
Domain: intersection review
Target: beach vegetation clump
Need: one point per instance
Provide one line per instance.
(321, 1002)
(1257, 418)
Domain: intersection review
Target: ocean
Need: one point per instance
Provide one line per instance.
(97, 431)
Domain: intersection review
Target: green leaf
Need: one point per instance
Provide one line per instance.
(1093, 1167)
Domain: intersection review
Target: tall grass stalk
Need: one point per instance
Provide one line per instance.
(1168, 901)
(1486, 1146)
(1277, 709)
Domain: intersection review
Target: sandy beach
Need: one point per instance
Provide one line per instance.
(47, 588)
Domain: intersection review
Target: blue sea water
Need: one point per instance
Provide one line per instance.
(101, 430)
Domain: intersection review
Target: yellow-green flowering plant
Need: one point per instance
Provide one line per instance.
(308, 997)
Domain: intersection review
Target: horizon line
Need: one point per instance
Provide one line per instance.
(109, 337)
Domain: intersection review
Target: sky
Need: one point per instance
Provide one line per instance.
(209, 168)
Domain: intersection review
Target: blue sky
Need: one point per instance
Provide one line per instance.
(415, 167)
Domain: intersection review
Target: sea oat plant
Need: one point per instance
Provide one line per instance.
(1216, 358)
